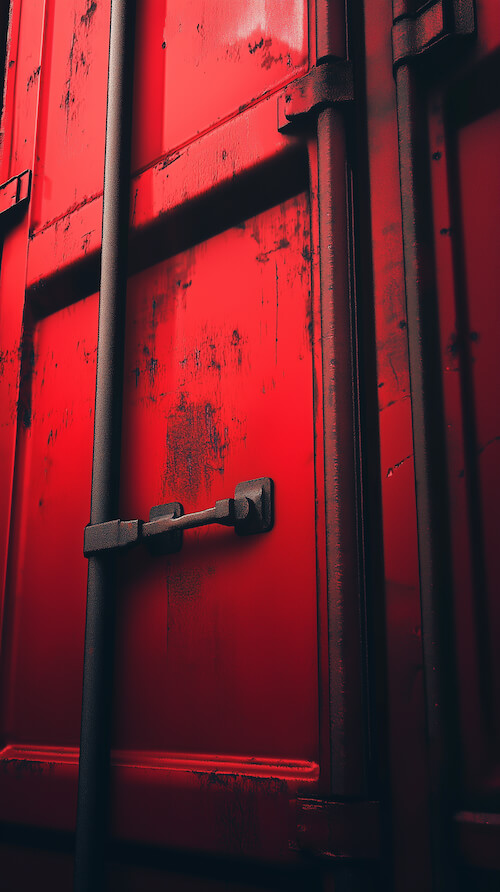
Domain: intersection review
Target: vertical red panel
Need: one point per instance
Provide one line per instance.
(407, 731)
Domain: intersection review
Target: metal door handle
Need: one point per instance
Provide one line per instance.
(251, 511)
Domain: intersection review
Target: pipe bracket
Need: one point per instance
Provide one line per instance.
(436, 23)
(326, 85)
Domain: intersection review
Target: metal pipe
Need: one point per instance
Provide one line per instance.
(346, 701)
(93, 780)
(347, 743)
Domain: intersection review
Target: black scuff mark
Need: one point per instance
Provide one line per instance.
(263, 257)
(277, 309)
(68, 97)
(32, 78)
(136, 192)
(257, 46)
(390, 471)
(152, 366)
(488, 443)
(394, 371)
(86, 18)
(268, 60)
(170, 159)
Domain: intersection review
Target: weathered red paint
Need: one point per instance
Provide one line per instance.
(241, 710)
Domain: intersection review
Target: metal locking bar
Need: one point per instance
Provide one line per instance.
(251, 511)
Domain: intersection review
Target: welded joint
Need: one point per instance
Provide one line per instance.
(324, 86)
(434, 23)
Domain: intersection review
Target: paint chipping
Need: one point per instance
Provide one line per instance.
(257, 46)
(89, 12)
(195, 447)
(33, 78)
(398, 464)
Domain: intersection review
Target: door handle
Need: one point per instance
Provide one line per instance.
(250, 511)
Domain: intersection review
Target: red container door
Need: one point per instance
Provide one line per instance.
(232, 724)
(464, 146)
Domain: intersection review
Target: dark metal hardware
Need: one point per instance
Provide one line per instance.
(251, 511)
(324, 86)
(416, 34)
(15, 192)
(97, 696)
(111, 536)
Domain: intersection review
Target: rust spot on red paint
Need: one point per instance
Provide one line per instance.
(20, 767)
(194, 445)
(268, 59)
(185, 585)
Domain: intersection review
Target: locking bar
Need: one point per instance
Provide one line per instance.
(111, 536)
(414, 35)
(251, 511)
(15, 192)
(324, 86)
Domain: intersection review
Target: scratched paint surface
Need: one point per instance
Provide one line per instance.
(480, 193)
(467, 220)
(217, 645)
(46, 591)
(72, 112)
(200, 62)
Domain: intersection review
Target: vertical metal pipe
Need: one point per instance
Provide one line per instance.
(344, 638)
(339, 394)
(93, 780)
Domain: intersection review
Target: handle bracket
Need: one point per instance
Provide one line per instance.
(251, 511)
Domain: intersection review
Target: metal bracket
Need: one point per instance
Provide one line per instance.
(113, 535)
(251, 511)
(436, 22)
(15, 193)
(324, 86)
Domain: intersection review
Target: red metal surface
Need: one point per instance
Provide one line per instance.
(239, 662)
(407, 742)
(464, 139)
(220, 715)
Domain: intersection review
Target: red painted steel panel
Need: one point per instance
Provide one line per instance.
(72, 115)
(239, 662)
(200, 63)
(220, 717)
(466, 190)
(218, 353)
(47, 572)
(480, 207)
(411, 867)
